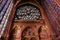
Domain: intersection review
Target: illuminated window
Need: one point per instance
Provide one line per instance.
(27, 12)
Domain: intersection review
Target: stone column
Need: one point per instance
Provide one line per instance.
(17, 34)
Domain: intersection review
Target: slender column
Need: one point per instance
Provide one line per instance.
(17, 33)
(5, 19)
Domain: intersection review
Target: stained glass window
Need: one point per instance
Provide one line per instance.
(27, 12)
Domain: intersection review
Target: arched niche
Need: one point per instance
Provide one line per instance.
(27, 33)
(43, 34)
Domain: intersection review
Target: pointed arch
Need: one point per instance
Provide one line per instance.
(27, 33)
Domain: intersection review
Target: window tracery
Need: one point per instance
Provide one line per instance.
(27, 12)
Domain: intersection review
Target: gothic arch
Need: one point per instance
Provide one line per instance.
(43, 34)
(35, 4)
(28, 33)
(24, 12)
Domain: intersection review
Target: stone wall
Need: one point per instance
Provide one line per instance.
(52, 10)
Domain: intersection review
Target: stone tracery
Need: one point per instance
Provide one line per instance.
(28, 12)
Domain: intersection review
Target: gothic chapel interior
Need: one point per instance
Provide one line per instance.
(29, 20)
